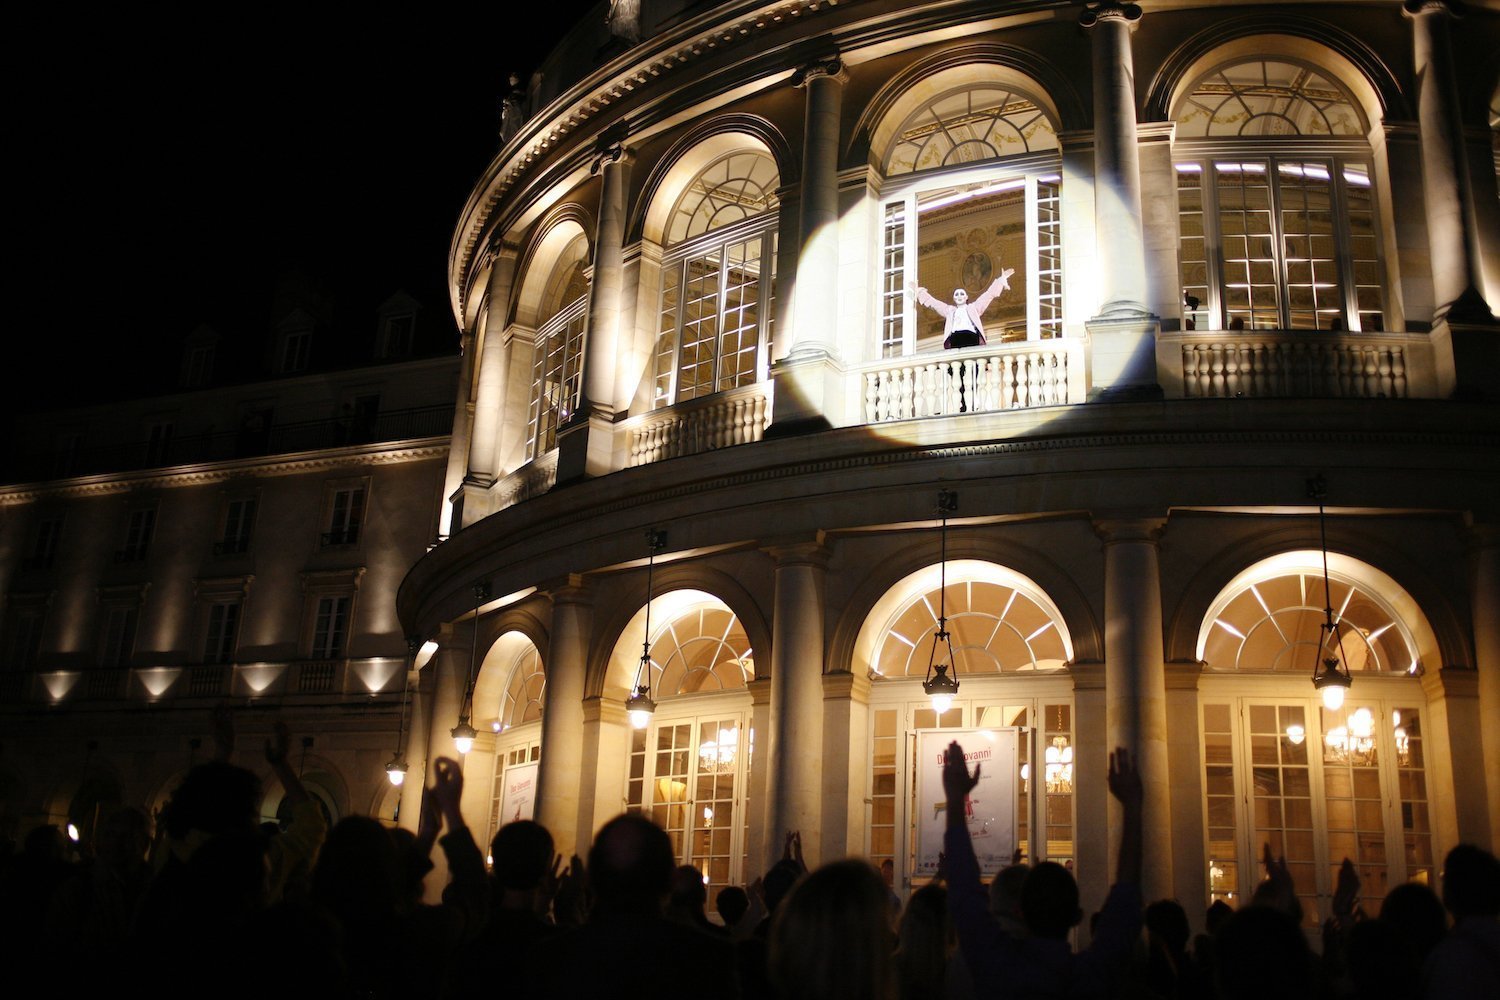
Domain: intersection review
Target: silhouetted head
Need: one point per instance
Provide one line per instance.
(215, 798)
(44, 843)
(1005, 892)
(631, 864)
(778, 882)
(732, 902)
(1049, 901)
(523, 855)
(1262, 953)
(360, 875)
(1471, 882)
(924, 936)
(1416, 913)
(830, 938)
(123, 838)
(1218, 912)
(1168, 923)
(688, 889)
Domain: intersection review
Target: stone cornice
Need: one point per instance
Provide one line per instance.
(217, 472)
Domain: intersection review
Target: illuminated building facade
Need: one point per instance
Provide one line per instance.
(1254, 245)
(231, 544)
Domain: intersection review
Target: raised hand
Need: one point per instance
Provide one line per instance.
(957, 781)
(1125, 778)
(448, 789)
(278, 743)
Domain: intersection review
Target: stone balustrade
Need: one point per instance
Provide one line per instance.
(738, 416)
(1309, 364)
(974, 380)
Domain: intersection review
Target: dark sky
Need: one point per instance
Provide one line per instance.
(174, 164)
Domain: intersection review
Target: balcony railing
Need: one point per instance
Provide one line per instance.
(218, 446)
(985, 379)
(1297, 364)
(738, 416)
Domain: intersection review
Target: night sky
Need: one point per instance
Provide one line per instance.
(176, 166)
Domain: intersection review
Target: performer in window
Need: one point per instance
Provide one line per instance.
(963, 321)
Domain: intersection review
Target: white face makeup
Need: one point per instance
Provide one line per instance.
(960, 296)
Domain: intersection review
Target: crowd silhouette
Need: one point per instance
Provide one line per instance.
(202, 899)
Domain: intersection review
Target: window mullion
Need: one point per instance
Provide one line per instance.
(1213, 251)
(1343, 249)
(721, 313)
(1032, 264)
(678, 324)
(909, 258)
(1278, 245)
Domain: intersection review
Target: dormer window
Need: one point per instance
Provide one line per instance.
(296, 352)
(396, 336)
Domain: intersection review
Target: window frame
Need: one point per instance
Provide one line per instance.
(1029, 169)
(344, 527)
(333, 645)
(1336, 153)
(237, 531)
(567, 330)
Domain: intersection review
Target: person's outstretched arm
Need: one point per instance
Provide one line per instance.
(943, 309)
(1125, 785)
(997, 286)
(979, 935)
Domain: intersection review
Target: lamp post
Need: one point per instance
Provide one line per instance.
(464, 733)
(938, 684)
(640, 705)
(396, 769)
(1330, 671)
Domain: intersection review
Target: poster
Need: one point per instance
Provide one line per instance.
(992, 803)
(519, 798)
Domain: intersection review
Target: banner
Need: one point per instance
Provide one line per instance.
(991, 806)
(519, 799)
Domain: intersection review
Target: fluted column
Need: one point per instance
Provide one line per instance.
(587, 442)
(808, 377)
(795, 745)
(1135, 689)
(1447, 189)
(558, 773)
(1486, 568)
(1123, 334)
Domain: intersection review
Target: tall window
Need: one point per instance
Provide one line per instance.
(1315, 784)
(346, 516)
(330, 628)
(690, 770)
(44, 544)
(139, 530)
(1277, 213)
(222, 635)
(117, 637)
(239, 523)
(718, 274)
(557, 357)
(955, 215)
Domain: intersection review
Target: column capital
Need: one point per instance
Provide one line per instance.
(1130, 528)
(498, 248)
(793, 553)
(573, 588)
(828, 66)
(1110, 10)
(1416, 8)
(613, 153)
(600, 709)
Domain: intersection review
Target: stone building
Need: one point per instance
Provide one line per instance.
(238, 541)
(1254, 252)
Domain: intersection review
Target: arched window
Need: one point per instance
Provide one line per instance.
(522, 702)
(1278, 219)
(557, 354)
(718, 271)
(1010, 646)
(517, 729)
(1316, 784)
(690, 769)
(973, 186)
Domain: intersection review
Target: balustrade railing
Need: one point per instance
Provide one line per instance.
(1303, 364)
(719, 421)
(974, 380)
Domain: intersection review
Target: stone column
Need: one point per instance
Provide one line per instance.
(558, 772)
(587, 442)
(1135, 690)
(423, 685)
(1486, 591)
(795, 745)
(1123, 334)
(1446, 187)
(809, 378)
(845, 762)
(605, 760)
(451, 676)
(489, 395)
(450, 517)
(1463, 318)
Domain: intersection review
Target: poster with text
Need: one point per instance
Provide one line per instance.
(991, 806)
(520, 793)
